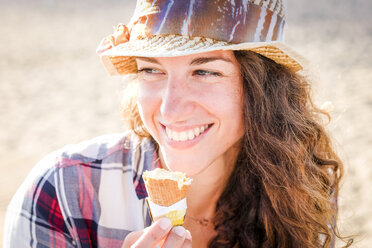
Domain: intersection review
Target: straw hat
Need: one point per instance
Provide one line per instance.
(167, 28)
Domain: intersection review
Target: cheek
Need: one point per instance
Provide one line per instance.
(228, 103)
(230, 109)
(147, 105)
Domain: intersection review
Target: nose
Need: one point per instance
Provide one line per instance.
(176, 105)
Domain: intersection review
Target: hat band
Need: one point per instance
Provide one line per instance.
(220, 20)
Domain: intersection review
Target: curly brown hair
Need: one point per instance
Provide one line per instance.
(283, 188)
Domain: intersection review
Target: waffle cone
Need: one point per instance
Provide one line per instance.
(165, 192)
(165, 188)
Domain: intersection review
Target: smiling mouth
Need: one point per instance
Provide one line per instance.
(188, 134)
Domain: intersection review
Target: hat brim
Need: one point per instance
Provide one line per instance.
(120, 60)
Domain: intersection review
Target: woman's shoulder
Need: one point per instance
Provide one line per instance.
(99, 152)
(99, 148)
(115, 152)
(87, 163)
(84, 181)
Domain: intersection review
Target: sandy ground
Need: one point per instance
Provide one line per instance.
(54, 91)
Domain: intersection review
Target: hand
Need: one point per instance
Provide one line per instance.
(159, 233)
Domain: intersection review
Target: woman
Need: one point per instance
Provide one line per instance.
(217, 96)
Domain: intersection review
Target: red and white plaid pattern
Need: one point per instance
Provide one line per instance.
(85, 195)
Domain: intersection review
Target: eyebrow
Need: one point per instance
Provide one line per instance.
(204, 60)
(197, 61)
(149, 59)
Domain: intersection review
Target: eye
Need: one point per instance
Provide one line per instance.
(148, 71)
(206, 73)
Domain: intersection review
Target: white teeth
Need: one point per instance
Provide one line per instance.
(176, 136)
(190, 134)
(196, 131)
(168, 131)
(185, 135)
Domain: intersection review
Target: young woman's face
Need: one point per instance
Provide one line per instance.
(192, 106)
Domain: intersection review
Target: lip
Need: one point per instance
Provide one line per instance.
(187, 143)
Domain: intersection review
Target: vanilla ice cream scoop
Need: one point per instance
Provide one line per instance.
(167, 194)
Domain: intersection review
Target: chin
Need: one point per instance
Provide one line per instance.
(190, 169)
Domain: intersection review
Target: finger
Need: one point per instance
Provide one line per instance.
(131, 238)
(175, 238)
(153, 234)
(188, 240)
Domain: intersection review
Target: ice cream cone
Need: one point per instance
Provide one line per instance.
(165, 192)
(167, 189)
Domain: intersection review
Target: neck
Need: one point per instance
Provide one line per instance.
(203, 195)
(207, 187)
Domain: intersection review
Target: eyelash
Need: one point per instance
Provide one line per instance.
(196, 72)
(207, 73)
(146, 70)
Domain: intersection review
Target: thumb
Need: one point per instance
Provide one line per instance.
(149, 236)
(132, 237)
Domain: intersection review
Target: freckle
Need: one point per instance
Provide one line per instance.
(235, 94)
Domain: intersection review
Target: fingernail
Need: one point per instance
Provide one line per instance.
(188, 235)
(179, 230)
(165, 223)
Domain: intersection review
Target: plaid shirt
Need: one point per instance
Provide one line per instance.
(85, 195)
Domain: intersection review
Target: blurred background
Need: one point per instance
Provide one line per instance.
(54, 91)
